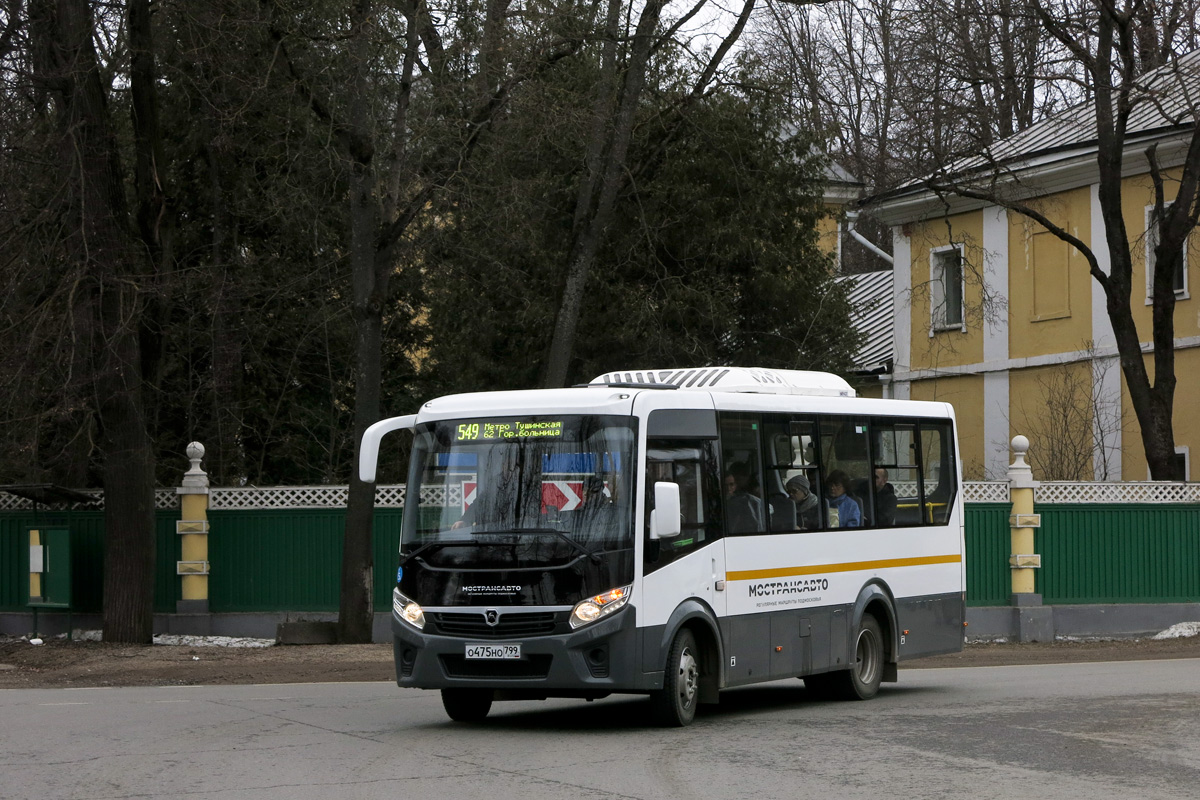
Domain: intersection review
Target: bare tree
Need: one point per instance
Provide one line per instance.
(1073, 423)
(114, 257)
(623, 77)
(1114, 47)
(900, 85)
(403, 139)
(963, 76)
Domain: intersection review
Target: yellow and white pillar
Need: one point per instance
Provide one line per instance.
(35, 566)
(1033, 621)
(192, 567)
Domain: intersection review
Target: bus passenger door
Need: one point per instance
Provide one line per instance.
(691, 564)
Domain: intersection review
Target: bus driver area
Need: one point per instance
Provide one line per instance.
(674, 533)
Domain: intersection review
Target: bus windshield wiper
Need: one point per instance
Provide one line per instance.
(404, 559)
(595, 557)
(474, 539)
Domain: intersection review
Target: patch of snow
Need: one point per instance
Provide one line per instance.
(1180, 631)
(212, 641)
(174, 640)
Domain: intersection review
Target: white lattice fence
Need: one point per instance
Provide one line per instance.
(1125, 492)
(985, 492)
(1088, 492)
(253, 497)
(392, 496)
(163, 499)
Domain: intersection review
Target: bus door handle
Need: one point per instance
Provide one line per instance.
(718, 584)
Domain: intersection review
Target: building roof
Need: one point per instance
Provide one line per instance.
(841, 187)
(1061, 149)
(872, 314)
(1165, 100)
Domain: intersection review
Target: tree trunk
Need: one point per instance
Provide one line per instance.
(355, 608)
(129, 547)
(101, 242)
(355, 616)
(598, 195)
(226, 461)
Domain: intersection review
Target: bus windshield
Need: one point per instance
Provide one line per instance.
(505, 493)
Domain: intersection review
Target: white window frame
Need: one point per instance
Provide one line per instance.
(842, 232)
(1151, 239)
(1185, 451)
(937, 291)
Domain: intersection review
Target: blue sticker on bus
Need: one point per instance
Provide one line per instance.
(399, 573)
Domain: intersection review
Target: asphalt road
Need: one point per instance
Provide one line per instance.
(1125, 729)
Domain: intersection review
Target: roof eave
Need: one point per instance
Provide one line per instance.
(1038, 174)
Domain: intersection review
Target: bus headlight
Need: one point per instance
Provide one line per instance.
(407, 610)
(592, 609)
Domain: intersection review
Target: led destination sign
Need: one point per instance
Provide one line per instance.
(492, 431)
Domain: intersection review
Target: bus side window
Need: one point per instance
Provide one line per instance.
(692, 466)
(781, 511)
(745, 510)
(792, 485)
(803, 481)
(937, 450)
(846, 470)
(896, 474)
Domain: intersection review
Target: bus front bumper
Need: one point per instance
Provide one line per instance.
(597, 659)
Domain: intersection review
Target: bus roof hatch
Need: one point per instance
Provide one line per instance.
(734, 379)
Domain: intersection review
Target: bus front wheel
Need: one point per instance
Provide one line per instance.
(467, 705)
(674, 705)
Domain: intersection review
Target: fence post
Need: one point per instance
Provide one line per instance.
(193, 527)
(1033, 621)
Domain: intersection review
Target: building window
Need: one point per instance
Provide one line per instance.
(1049, 257)
(946, 284)
(1153, 226)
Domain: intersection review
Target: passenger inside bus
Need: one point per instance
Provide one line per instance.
(885, 499)
(595, 515)
(807, 507)
(743, 511)
(505, 496)
(846, 508)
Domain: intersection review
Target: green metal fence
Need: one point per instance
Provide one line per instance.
(276, 560)
(1119, 553)
(87, 557)
(290, 559)
(987, 534)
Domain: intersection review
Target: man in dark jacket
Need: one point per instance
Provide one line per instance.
(885, 499)
(743, 509)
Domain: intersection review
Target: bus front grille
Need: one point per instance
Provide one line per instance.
(532, 666)
(507, 626)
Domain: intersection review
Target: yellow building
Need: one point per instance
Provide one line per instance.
(1002, 318)
(841, 191)
(870, 292)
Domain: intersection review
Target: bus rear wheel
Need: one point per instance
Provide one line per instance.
(861, 681)
(674, 705)
(467, 705)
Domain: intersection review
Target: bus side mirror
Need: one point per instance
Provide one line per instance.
(368, 456)
(664, 519)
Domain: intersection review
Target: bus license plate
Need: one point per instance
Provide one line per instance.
(493, 651)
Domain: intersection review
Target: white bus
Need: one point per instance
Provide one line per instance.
(674, 533)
